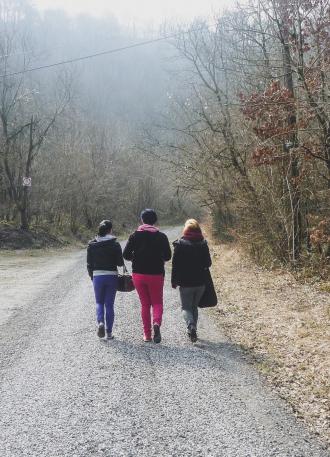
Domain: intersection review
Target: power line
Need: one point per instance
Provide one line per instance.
(103, 53)
(140, 44)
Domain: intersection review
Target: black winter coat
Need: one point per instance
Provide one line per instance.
(104, 255)
(148, 252)
(190, 260)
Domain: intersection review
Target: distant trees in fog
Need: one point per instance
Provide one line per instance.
(72, 129)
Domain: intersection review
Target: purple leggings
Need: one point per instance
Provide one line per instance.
(105, 288)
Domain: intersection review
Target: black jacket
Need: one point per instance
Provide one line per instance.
(104, 255)
(148, 252)
(190, 260)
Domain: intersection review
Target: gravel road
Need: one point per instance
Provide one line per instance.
(64, 392)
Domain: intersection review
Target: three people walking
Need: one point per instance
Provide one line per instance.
(148, 249)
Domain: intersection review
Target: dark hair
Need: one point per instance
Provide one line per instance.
(149, 216)
(104, 227)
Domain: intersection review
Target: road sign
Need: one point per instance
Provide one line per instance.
(27, 182)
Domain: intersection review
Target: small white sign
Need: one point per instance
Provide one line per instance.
(27, 182)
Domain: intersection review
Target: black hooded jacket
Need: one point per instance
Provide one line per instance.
(104, 255)
(190, 260)
(148, 252)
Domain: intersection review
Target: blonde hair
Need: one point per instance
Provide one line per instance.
(192, 224)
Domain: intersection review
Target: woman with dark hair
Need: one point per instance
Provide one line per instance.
(191, 259)
(104, 255)
(149, 249)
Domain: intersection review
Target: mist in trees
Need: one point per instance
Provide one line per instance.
(72, 129)
(229, 118)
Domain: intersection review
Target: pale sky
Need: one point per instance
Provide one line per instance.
(141, 12)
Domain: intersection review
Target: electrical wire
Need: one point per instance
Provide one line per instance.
(103, 53)
(144, 43)
(136, 45)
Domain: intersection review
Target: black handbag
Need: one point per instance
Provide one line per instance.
(209, 298)
(125, 281)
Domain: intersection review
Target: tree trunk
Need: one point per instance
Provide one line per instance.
(292, 142)
(25, 223)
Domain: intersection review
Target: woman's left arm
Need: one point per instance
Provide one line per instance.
(89, 263)
(120, 260)
(207, 257)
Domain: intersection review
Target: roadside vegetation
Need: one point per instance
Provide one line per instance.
(249, 129)
(284, 326)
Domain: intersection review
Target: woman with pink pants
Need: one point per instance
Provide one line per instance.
(149, 249)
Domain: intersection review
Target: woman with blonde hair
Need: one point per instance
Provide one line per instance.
(191, 259)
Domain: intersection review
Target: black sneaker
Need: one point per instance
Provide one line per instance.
(157, 335)
(192, 333)
(101, 330)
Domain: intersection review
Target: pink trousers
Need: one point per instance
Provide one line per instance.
(150, 291)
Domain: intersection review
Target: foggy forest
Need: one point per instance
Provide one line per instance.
(226, 119)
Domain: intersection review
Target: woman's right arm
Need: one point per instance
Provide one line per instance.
(167, 253)
(129, 249)
(174, 273)
(207, 257)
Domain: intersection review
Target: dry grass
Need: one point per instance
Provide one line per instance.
(286, 326)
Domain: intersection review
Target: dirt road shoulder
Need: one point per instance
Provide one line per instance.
(286, 327)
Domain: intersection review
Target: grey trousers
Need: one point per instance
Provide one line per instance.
(190, 297)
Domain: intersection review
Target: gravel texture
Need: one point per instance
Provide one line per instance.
(64, 392)
(38, 269)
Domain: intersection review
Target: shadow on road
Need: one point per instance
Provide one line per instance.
(203, 354)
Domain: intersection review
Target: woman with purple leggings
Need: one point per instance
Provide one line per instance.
(104, 255)
(149, 249)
